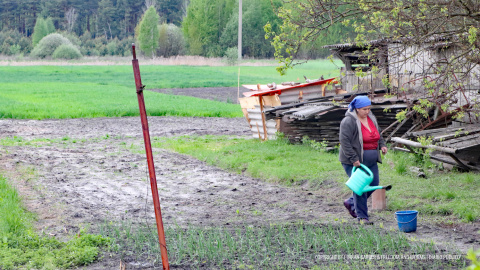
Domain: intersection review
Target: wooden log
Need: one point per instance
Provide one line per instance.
(419, 145)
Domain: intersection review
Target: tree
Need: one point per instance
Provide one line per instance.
(50, 25)
(112, 18)
(171, 10)
(106, 17)
(147, 34)
(55, 9)
(204, 25)
(420, 24)
(257, 13)
(39, 31)
(70, 18)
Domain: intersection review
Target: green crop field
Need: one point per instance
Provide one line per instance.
(39, 92)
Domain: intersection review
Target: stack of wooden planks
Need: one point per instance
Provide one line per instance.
(320, 121)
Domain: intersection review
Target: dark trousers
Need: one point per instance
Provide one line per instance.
(370, 158)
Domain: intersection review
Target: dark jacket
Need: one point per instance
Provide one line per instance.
(351, 140)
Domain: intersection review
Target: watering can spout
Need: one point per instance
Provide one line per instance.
(370, 188)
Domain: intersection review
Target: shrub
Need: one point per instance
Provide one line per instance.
(88, 44)
(102, 50)
(73, 38)
(231, 55)
(87, 36)
(66, 51)
(90, 52)
(170, 41)
(99, 41)
(25, 45)
(215, 50)
(127, 53)
(15, 49)
(125, 46)
(7, 39)
(88, 47)
(48, 45)
(112, 47)
(3, 36)
(7, 44)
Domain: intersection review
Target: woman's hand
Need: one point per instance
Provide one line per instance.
(356, 163)
(384, 150)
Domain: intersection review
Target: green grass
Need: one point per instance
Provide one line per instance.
(276, 246)
(39, 92)
(19, 141)
(22, 248)
(165, 76)
(273, 160)
(86, 100)
(441, 194)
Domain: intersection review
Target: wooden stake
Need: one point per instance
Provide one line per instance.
(260, 99)
(379, 201)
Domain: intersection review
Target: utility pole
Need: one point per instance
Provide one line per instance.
(239, 30)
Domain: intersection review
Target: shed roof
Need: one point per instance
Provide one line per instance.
(264, 90)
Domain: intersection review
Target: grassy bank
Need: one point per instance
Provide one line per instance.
(39, 92)
(276, 246)
(22, 248)
(443, 194)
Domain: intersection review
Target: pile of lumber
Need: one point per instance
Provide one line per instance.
(320, 121)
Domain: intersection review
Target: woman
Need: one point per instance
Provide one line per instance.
(360, 142)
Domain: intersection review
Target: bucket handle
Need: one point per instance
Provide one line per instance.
(407, 221)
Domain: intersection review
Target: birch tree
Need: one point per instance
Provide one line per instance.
(39, 31)
(147, 32)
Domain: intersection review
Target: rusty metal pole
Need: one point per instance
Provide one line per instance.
(151, 166)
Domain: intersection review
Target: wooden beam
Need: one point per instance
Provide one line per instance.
(419, 145)
(265, 135)
(459, 162)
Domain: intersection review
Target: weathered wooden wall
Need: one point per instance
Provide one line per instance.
(352, 83)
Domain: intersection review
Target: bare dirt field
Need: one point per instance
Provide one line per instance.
(80, 172)
(223, 94)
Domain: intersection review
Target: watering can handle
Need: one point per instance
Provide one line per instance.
(362, 167)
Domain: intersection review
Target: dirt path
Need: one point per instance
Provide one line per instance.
(223, 94)
(84, 171)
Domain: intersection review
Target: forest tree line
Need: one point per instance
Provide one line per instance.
(107, 27)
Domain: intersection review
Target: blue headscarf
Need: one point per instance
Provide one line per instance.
(359, 102)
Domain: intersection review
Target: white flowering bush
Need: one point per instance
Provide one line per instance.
(47, 46)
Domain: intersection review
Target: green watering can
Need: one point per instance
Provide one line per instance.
(360, 180)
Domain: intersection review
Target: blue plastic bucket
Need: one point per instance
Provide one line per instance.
(407, 220)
